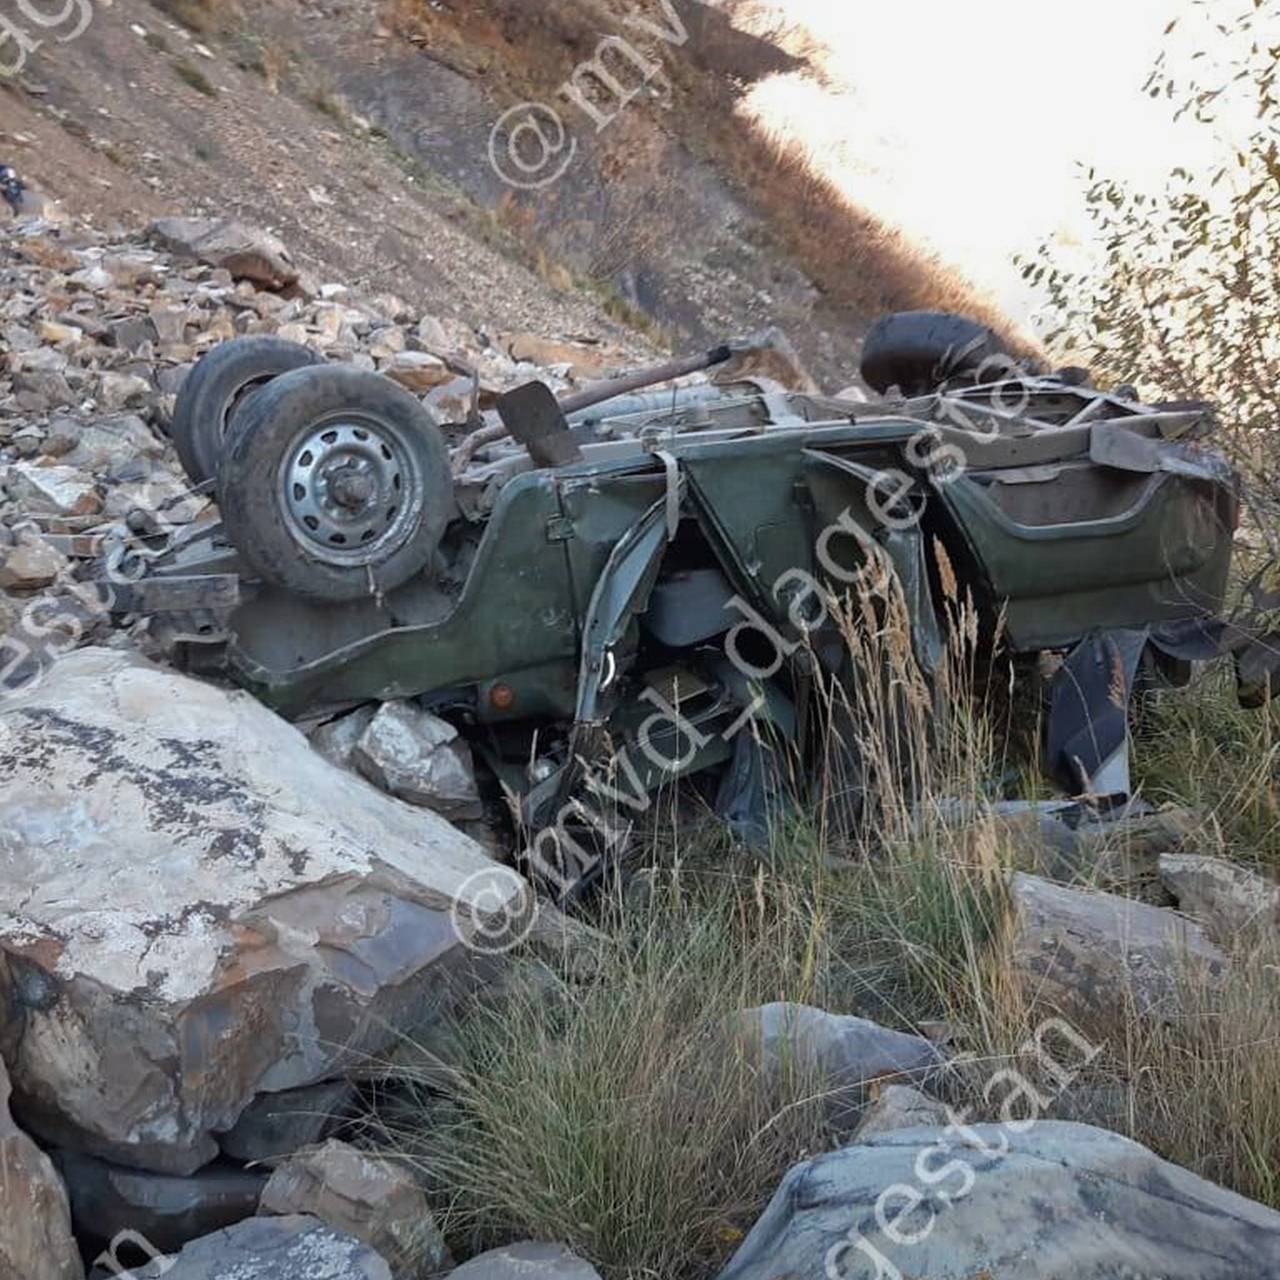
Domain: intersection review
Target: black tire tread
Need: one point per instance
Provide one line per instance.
(202, 412)
(919, 351)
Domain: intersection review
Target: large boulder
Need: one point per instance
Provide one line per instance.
(1097, 955)
(584, 363)
(35, 1220)
(196, 908)
(1052, 1202)
(248, 253)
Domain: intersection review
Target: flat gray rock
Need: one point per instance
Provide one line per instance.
(1099, 955)
(1059, 1202)
(297, 1248)
(843, 1057)
(846, 1050)
(530, 1260)
(169, 1211)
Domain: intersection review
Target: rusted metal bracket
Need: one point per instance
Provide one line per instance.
(214, 592)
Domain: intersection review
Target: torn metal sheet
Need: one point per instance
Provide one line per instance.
(1125, 450)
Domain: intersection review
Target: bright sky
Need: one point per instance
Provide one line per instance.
(964, 121)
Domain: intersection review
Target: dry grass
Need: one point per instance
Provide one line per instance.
(617, 1115)
(265, 58)
(1206, 1092)
(191, 75)
(613, 1114)
(1200, 748)
(205, 17)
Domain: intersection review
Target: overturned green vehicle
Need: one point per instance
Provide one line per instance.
(578, 579)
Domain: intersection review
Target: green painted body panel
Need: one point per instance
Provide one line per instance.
(760, 501)
(516, 614)
(1164, 559)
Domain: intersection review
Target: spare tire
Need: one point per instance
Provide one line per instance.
(921, 351)
(217, 387)
(335, 483)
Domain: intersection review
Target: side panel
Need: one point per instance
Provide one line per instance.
(516, 613)
(1157, 550)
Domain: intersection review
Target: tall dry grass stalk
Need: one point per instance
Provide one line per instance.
(1206, 1091)
(618, 1114)
(926, 750)
(929, 890)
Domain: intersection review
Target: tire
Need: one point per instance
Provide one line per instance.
(335, 483)
(920, 351)
(216, 388)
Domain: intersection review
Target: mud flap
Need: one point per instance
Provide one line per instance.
(753, 791)
(1087, 741)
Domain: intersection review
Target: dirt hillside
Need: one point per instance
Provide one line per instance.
(364, 133)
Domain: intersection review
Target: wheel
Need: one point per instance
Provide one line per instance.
(217, 387)
(919, 351)
(334, 483)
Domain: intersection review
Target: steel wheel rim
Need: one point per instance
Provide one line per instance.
(351, 491)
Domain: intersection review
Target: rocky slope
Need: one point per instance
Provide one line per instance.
(211, 933)
(362, 131)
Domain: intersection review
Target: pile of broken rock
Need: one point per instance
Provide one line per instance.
(97, 336)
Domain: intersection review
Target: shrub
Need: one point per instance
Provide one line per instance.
(1187, 301)
(191, 75)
